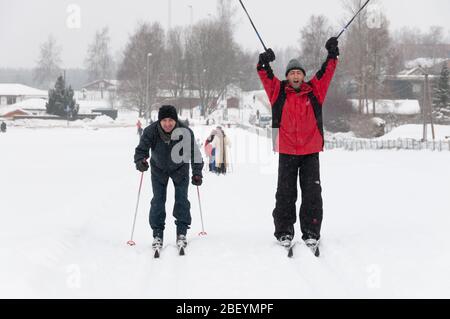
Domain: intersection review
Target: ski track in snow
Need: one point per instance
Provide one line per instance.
(69, 198)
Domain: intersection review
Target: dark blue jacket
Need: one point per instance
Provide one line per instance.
(161, 157)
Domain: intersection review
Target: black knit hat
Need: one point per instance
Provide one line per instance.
(168, 111)
(294, 64)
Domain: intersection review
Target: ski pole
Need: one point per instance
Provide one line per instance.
(257, 33)
(348, 24)
(131, 242)
(202, 233)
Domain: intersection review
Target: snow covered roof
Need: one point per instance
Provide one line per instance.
(403, 107)
(16, 89)
(186, 94)
(423, 62)
(96, 84)
(416, 73)
(8, 111)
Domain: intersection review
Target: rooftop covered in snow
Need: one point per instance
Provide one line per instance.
(16, 89)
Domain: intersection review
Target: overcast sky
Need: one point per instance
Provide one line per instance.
(25, 24)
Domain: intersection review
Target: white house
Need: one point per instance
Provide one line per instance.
(12, 93)
(99, 90)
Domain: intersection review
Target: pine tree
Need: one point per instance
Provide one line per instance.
(442, 91)
(61, 101)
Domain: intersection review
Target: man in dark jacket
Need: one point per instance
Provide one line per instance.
(3, 127)
(173, 147)
(298, 138)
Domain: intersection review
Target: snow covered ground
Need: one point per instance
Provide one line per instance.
(414, 131)
(68, 197)
(404, 107)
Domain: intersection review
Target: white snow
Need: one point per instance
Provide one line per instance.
(251, 102)
(68, 198)
(404, 107)
(414, 131)
(423, 62)
(16, 89)
(86, 106)
(29, 104)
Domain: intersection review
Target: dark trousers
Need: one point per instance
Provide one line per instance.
(311, 211)
(181, 210)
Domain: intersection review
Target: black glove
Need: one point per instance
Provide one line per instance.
(197, 180)
(332, 47)
(266, 57)
(142, 166)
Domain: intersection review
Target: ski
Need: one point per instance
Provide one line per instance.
(288, 244)
(317, 252)
(181, 244)
(313, 245)
(157, 246)
(290, 250)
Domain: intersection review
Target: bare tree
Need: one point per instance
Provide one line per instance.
(312, 42)
(146, 44)
(365, 51)
(354, 50)
(211, 51)
(48, 65)
(246, 77)
(417, 44)
(379, 43)
(99, 62)
(175, 72)
(283, 56)
(434, 40)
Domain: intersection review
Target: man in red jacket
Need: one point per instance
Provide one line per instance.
(298, 138)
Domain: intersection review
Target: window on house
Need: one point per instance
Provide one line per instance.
(11, 100)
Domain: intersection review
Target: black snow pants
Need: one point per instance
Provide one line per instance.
(311, 210)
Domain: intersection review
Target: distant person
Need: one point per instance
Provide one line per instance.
(3, 127)
(221, 144)
(210, 151)
(140, 130)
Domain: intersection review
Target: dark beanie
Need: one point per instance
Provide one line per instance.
(294, 64)
(168, 111)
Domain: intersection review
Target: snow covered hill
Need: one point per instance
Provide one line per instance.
(68, 198)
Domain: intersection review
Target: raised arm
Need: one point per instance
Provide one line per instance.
(270, 82)
(323, 77)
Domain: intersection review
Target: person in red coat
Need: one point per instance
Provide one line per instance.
(298, 138)
(140, 130)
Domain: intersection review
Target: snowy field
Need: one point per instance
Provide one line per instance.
(68, 197)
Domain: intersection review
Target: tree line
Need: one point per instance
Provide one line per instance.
(205, 57)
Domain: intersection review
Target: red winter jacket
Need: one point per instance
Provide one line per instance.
(301, 128)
